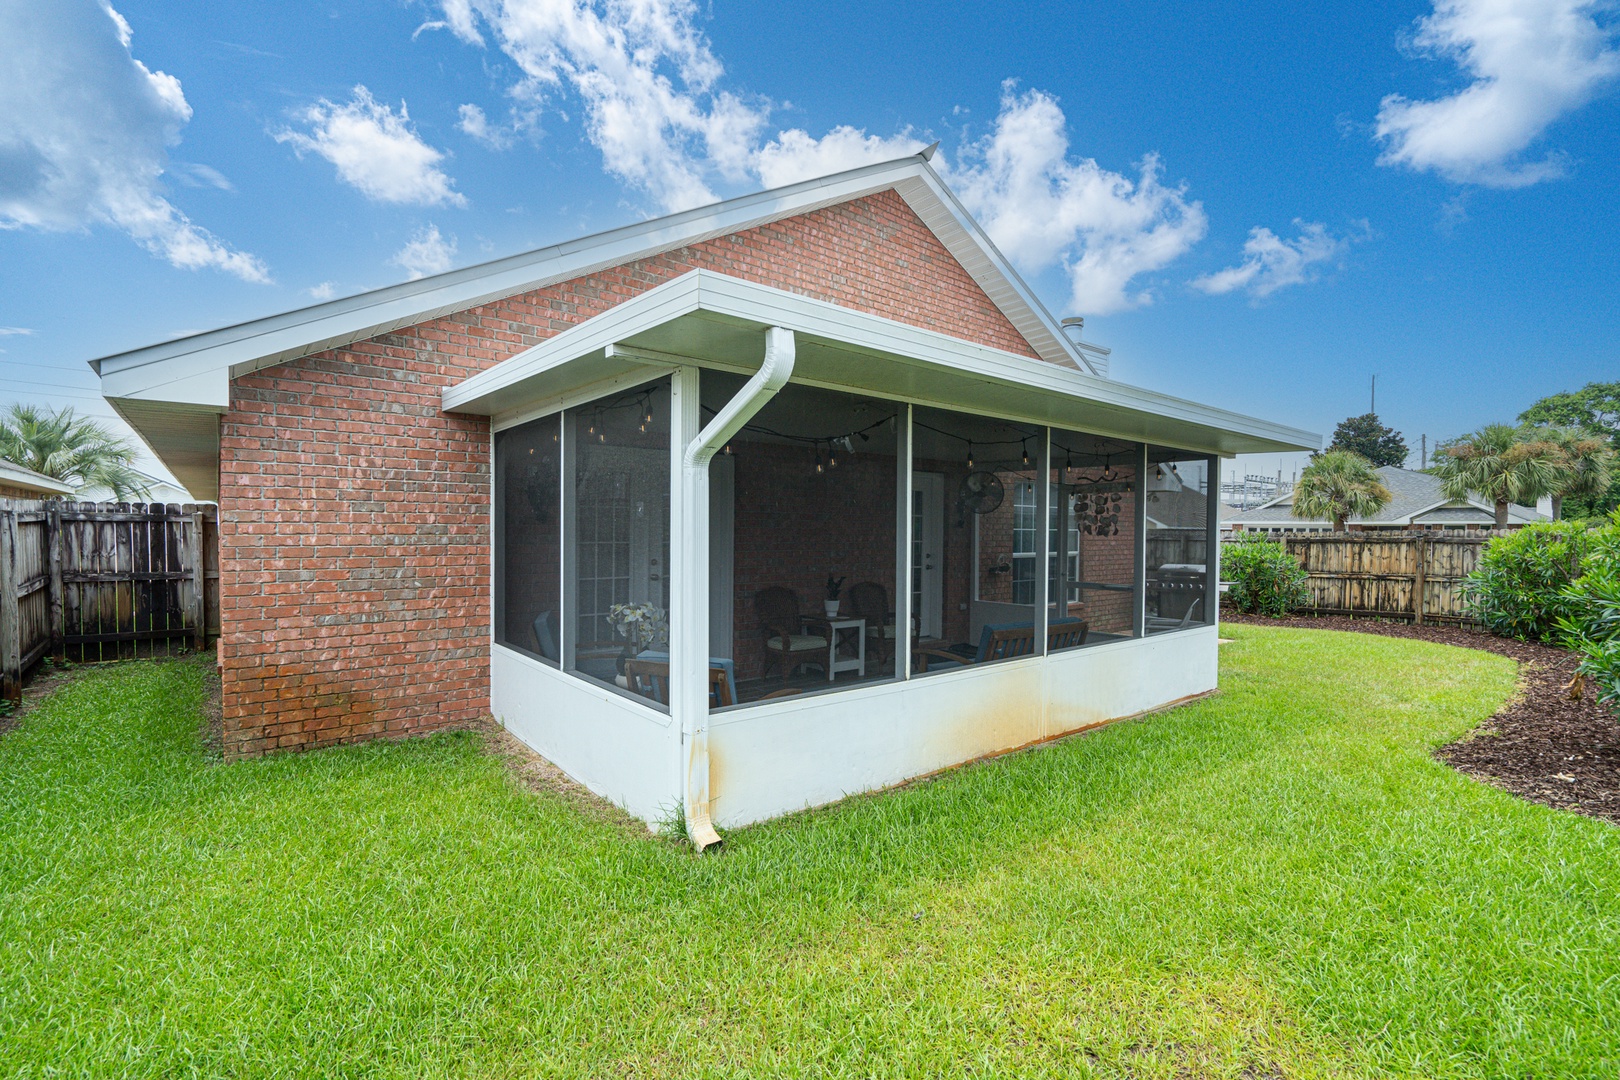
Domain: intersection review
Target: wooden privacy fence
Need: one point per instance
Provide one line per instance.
(1416, 576)
(94, 581)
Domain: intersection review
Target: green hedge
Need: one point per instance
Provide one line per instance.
(1557, 582)
(1265, 579)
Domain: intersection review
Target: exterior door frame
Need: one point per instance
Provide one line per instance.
(928, 511)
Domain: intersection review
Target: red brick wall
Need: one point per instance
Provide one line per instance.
(354, 536)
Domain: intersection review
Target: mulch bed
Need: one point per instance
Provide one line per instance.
(1543, 745)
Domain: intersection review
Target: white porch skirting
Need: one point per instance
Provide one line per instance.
(783, 755)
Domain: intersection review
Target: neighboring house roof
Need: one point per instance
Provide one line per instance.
(15, 476)
(173, 393)
(159, 489)
(1417, 500)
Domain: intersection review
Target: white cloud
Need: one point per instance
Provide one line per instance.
(473, 122)
(646, 77)
(1529, 61)
(426, 253)
(648, 81)
(326, 289)
(84, 135)
(192, 174)
(375, 150)
(1045, 209)
(795, 155)
(1271, 263)
(13, 331)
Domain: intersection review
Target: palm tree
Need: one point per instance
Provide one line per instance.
(1588, 463)
(1339, 484)
(73, 449)
(1503, 465)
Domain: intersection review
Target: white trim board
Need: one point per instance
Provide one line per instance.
(1037, 391)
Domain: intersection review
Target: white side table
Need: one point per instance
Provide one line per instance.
(855, 663)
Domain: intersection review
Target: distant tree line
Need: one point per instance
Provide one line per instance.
(1564, 447)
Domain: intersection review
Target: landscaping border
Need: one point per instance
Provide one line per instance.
(1543, 745)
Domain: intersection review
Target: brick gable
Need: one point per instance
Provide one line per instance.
(354, 514)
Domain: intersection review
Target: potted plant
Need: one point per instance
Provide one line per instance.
(642, 626)
(834, 586)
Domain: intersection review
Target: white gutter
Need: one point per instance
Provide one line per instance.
(689, 644)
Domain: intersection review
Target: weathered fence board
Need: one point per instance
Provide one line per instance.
(1417, 576)
(93, 581)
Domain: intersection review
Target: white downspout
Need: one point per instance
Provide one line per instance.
(689, 644)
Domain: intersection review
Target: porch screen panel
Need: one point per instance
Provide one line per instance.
(1093, 539)
(528, 538)
(988, 565)
(1178, 588)
(810, 488)
(617, 565)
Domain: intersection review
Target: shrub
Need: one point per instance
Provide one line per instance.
(1519, 589)
(1557, 582)
(1266, 580)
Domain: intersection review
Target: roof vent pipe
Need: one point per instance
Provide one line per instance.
(1096, 355)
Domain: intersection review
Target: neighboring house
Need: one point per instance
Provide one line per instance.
(158, 490)
(437, 499)
(17, 482)
(1418, 503)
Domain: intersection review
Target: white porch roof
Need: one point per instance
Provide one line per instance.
(711, 320)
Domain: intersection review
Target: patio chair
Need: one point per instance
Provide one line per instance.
(870, 601)
(650, 678)
(999, 641)
(783, 629)
(544, 630)
(1158, 624)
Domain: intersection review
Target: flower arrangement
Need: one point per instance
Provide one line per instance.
(642, 626)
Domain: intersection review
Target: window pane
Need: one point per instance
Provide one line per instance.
(528, 553)
(978, 601)
(1177, 491)
(1093, 538)
(618, 588)
(804, 504)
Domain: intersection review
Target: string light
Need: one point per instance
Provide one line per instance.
(1025, 445)
(970, 453)
(820, 468)
(832, 457)
(728, 449)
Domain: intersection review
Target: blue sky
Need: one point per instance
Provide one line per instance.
(1259, 206)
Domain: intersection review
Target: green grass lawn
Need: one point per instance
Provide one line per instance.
(1277, 881)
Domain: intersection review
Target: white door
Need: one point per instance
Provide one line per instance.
(927, 551)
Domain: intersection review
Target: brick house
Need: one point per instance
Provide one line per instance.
(599, 490)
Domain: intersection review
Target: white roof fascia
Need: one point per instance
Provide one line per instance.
(196, 370)
(761, 304)
(22, 476)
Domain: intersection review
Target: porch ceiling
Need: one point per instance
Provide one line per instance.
(719, 322)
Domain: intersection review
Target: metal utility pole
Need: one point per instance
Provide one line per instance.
(1423, 458)
(1373, 407)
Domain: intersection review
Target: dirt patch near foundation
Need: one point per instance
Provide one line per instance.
(1543, 745)
(539, 775)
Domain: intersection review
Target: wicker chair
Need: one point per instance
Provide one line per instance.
(789, 637)
(870, 601)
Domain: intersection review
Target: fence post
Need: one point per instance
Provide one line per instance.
(199, 580)
(1418, 575)
(55, 599)
(10, 623)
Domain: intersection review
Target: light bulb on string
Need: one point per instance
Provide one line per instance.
(820, 468)
(970, 453)
(1025, 445)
